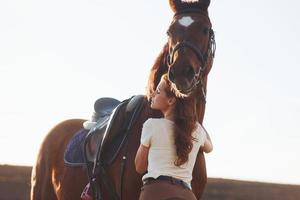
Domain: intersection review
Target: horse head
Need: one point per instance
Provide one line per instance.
(190, 46)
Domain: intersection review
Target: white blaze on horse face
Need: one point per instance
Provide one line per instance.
(186, 21)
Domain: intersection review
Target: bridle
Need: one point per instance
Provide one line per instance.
(202, 57)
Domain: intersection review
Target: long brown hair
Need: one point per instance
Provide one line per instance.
(185, 118)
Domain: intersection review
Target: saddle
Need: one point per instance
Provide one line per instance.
(83, 145)
(101, 138)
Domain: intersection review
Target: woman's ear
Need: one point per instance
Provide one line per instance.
(172, 100)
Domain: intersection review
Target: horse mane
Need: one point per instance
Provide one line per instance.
(159, 68)
(181, 5)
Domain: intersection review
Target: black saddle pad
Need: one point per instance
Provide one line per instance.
(74, 155)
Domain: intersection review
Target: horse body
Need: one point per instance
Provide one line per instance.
(51, 179)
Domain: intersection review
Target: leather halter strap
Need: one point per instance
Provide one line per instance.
(189, 45)
(196, 50)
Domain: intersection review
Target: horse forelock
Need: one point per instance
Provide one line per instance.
(181, 5)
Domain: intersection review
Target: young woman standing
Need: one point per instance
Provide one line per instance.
(169, 146)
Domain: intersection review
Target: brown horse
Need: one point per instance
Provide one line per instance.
(187, 57)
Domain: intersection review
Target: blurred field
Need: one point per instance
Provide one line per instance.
(14, 182)
(15, 185)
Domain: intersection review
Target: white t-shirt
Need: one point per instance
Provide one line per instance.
(158, 135)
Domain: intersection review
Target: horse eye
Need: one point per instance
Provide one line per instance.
(205, 31)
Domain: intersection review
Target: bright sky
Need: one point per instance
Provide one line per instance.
(57, 57)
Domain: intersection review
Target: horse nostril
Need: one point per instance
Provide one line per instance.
(189, 72)
(171, 75)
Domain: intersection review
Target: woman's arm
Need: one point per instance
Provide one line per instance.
(141, 159)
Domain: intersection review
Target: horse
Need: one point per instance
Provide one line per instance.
(187, 57)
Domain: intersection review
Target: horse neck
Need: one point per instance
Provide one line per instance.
(158, 69)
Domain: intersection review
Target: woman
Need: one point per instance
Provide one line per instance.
(169, 146)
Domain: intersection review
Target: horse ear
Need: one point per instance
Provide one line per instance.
(177, 5)
(173, 5)
(205, 4)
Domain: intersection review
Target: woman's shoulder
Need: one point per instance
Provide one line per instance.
(150, 122)
(156, 122)
(200, 132)
(199, 127)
